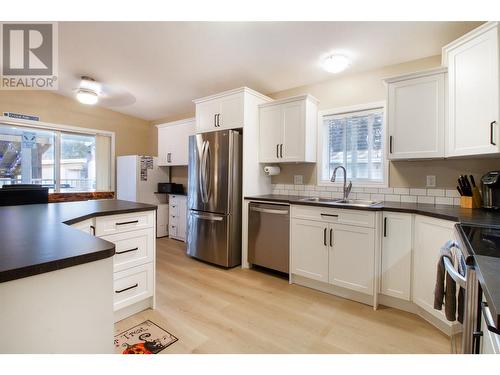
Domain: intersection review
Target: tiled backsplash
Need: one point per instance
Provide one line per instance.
(409, 195)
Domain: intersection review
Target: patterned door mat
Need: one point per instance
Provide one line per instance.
(144, 338)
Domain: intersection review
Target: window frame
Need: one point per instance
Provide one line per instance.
(62, 128)
(346, 110)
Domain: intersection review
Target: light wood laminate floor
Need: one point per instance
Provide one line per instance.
(213, 310)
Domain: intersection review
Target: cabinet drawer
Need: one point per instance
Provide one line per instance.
(335, 215)
(132, 248)
(133, 285)
(113, 224)
(172, 230)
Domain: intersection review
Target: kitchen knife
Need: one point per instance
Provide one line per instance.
(460, 191)
(472, 181)
(468, 188)
(462, 185)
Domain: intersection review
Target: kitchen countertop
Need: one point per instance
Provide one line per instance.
(37, 238)
(446, 212)
(487, 267)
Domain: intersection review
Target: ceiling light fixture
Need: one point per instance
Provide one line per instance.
(88, 92)
(86, 96)
(335, 63)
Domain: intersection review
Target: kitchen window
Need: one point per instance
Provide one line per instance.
(353, 138)
(61, 158)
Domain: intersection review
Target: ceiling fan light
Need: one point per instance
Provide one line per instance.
(336, 63)
(88, 97)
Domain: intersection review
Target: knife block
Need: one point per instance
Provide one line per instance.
(469, 202)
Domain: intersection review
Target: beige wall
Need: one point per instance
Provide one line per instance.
(133, 135)
(368, 87)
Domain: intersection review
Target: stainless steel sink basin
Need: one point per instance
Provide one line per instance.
(342, 202)
(356, 202)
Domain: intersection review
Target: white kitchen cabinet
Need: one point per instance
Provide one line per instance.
(287, 129)
(309, 249)
(177, 222)
(430, 235)
(324, 249)
(87, 226)
(416, 115)
(490, 341)
(396, 255)
(352, 257)
(173, 142)
(225, 110)
(473, 87)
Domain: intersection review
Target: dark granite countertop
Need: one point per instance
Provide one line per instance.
(447, 212)
(36, 238)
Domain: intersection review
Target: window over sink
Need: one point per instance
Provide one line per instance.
(354, 138)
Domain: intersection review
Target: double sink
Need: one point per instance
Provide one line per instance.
(343, 202)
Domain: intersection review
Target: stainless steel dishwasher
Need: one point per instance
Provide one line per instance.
(268, 236)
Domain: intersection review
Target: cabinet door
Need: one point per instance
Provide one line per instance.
(293, 131)
(231, 114)
(179, 151)
(309, 249)
(206, 116)
(182, 222)
(430, 235)
(269, 133)
(352, 257)
(164, 145)
(396, 255)
(473, 96)
(416, 118)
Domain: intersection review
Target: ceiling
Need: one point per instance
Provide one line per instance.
(156, 69)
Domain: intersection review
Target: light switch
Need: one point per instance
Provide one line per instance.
(431, 181)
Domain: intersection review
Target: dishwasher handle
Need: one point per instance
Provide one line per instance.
(269, 211)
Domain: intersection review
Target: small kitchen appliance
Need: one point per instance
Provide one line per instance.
(491, 190)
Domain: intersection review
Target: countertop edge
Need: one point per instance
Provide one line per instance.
(107, 213)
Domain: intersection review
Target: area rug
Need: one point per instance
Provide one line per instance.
(144, 338)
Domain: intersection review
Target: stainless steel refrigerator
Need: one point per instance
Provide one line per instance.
(214, 197)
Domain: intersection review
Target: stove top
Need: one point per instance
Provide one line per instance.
(483, 240)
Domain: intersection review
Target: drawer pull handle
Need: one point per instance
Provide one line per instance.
(329, 215)
(130, 287)
(128, 222)
(491, 133)
(324, 236)
(127, 251)
(92, 228)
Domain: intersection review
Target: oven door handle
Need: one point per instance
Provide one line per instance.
(488, 319)
(459, 279)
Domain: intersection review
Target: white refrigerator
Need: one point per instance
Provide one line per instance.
(137, 178)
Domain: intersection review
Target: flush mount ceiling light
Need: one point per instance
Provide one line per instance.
(88, 92)
(335, 63)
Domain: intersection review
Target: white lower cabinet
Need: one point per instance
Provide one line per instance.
(338, 254)
(87, 226)
(352, 257)
(133, 285)
(430, 235)
(396, 255)
(309, 250)
(177, 221)
(490, 341)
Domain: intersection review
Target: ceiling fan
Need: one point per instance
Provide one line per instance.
(90, 91)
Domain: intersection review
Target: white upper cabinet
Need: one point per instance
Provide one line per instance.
(396, 255)
(473, 86)
(416, 115)
(225, 110)
(288, 130)
(173, 141)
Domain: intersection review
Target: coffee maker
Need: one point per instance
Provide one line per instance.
(491, 190)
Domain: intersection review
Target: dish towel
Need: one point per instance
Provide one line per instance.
(445, 290)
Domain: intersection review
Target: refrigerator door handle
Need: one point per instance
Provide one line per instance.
(208, 217)
(207, 180)
(201, 172)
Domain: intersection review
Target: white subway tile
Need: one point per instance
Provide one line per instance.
(386, 191)
(444, 200)
(309, 187)
(452, 193)
(409, 198)
(325, 194)
(456, 201)
(321, 188)
(418, 192)
(337, 194)
(424, 199)
(372, 190)
(402, 191)
(332, 188)
(392, 198)
(363, 196)
(299, 187)
(436, 192)
(289, 186)
(279, 186)
(377, 197)
(357, 190)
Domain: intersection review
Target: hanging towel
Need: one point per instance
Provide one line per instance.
(461, 292)
(445, 290)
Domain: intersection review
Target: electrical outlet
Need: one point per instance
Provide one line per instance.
(298, 179)
(431, 181)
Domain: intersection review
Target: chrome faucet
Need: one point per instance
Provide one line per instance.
(346, 189)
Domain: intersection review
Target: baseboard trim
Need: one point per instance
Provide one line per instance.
(134, 309)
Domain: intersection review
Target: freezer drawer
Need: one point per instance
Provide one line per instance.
(268, 236)
(214, 238)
